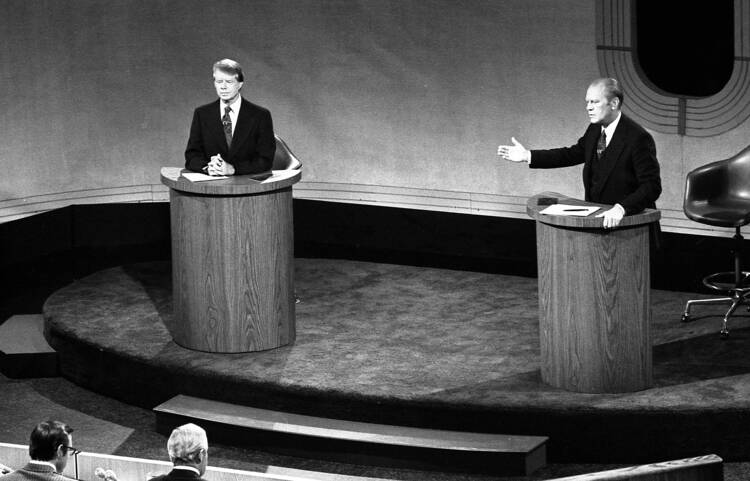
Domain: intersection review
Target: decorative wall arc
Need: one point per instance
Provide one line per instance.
(672, 114)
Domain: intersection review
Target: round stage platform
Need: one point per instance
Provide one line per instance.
(415, 347)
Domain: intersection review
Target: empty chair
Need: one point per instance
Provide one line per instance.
(718, 194)
(284, 159)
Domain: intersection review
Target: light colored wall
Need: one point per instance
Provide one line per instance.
(399, 102)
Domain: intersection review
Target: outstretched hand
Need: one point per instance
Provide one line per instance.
(515, 153)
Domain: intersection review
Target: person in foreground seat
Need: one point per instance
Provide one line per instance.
(50, 448)
(188, 450)
(618, 156)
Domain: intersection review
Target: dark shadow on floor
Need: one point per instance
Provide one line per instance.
(703, 357)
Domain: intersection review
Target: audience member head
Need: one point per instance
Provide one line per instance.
(188, 446)
(51, 441)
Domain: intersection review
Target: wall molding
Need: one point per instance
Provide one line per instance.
(494, 205)
(666, 113)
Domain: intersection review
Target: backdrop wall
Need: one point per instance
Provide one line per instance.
(386, 102)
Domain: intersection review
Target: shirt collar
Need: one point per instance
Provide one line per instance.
(234, 105)
(188, 468)
(43, 463)
(610, 129)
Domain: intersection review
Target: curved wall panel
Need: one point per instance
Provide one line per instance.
(395, 102)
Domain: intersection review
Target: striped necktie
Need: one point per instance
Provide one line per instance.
(226, 121)
(601, 145)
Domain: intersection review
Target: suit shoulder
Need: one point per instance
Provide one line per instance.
(209, 106)
(254, 107)
(634, 126)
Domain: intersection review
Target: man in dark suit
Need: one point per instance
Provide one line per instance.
(50, 446)
(188, 451)
(618, 156)
(230, 136)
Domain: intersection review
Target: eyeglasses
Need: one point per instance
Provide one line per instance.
(72, 451)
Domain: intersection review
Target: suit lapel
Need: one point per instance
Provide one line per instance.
(215, 125)
(590, 152)
(612, 154)
(243, 127)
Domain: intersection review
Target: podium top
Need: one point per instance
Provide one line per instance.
(588, 222)
(234, 185)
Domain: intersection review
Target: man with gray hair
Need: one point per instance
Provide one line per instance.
(618, 156)
(188, 450)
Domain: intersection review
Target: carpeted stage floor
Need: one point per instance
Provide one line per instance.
(416, 346)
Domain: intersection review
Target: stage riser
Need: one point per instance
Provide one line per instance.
(574, 435)
(24, 353)
(356, 453)
(47, 251)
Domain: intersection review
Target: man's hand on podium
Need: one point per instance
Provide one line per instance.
(613, 216)
(218, 166)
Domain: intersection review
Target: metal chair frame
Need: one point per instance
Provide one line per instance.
(738, 288)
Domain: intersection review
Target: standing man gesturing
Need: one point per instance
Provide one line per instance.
(619, 156)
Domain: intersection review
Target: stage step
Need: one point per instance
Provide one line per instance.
(702, 468)
(24, 351)
(356, 442)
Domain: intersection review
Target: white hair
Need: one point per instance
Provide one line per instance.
(185, 442)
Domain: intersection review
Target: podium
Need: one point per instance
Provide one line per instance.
(232, 261)
(594, 299)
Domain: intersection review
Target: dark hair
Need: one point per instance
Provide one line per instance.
(46, 437)
(612, 88)
(230, 67)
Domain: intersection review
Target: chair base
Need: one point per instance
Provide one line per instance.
(738, 290)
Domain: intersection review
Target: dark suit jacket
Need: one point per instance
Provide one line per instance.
(179, 474)
(253, 142)
(630, 169)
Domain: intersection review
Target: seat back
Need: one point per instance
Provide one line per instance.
(284, 159)
(728, 178)
(738, 170)
(719, 193)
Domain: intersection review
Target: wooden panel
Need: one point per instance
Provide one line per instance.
(588, 222)
(233, 271)
(703, 468)
(14, 456)
(234, 185)
(594, 308)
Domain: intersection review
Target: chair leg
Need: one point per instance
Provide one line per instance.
(739, 293)
(735, 303)
(691, 303)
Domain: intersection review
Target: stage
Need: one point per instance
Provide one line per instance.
(416, 347)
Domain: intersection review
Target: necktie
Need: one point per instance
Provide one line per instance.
(226, 121)
(601, 144)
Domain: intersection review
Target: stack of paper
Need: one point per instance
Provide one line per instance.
(198, 177)
(565, 209)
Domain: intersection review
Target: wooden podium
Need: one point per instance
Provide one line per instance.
(594, 299)
(232, 261)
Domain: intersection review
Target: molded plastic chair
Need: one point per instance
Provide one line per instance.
(719, 194)
(284, 159)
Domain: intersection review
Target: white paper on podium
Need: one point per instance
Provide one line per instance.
(566, 209)
(198, 177)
